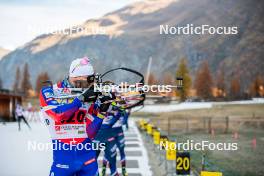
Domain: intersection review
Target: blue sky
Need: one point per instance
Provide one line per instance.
(19, 18)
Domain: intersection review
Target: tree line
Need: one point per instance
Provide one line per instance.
(22, 83)
(203, 85)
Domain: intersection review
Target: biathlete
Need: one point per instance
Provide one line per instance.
(74, 122)
(114, 140)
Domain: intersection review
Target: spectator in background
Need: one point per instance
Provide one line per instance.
(29, 107)
(20, 116)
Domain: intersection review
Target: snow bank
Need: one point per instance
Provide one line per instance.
(175, 107)
(157, 108)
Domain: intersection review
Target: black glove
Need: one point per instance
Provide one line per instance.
(89, 95)
(106, 102)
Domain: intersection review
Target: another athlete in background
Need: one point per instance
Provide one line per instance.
(114, 142)
(105, 136)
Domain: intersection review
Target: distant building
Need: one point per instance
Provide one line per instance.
(8, 100)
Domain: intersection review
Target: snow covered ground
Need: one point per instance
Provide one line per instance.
(17, 157)
(155, 108)
(175, 107)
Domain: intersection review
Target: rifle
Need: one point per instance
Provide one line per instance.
(122, 101)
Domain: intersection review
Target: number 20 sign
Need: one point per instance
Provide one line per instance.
(183, 163)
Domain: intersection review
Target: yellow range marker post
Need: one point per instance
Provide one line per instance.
(162, 142)
(142, 124)
(207, 173)
(156, 137)
(149, 129)
(170, 150)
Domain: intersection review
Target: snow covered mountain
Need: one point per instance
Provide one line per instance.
(3, 52)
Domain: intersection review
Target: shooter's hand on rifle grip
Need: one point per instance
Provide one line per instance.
(105, 102)
(90, 95)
